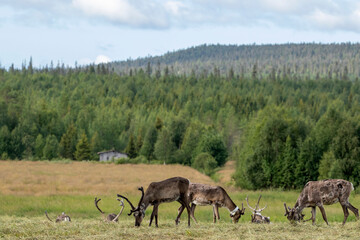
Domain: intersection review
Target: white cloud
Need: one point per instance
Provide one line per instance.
(327, 15)
(281, 5)
(141, 14)
(102, 59)
(174, 7)
(326, 20)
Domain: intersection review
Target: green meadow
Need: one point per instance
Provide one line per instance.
(22, 214)
(22, 217)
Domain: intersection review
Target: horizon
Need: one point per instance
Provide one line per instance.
(94, 31)
(56, 63)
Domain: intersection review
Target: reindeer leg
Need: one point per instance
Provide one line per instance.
(346, 212)
(313, 215)
(192, 207)
(217, 211)
(180, 210)
(353, 209)
(323, 213)
(156, 215)
(152, 215)
(214, 214)
(192, 212)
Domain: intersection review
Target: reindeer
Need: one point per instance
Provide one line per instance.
(169, 190)
(319, 193)
(202, 195)
(256, 217)
(112, 217)
(61, 218)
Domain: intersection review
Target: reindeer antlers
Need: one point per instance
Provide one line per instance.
(257, 205)
(47, 216)
(132, 206)
(142, 194)
(96, 204)
(121, 204)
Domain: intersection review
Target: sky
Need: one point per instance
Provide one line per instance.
(95, 31)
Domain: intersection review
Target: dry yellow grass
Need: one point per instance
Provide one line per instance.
(85, 178)
(226, 172)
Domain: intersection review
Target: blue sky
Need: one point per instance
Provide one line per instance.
(87, 31)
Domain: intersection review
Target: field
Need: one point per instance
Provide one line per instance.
(27, 189)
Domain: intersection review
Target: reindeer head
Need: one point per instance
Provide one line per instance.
(293, 214)
(139, 212)
(237, 213)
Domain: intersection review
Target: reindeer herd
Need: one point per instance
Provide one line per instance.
(189, 195)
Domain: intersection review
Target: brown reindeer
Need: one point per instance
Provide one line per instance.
(319, 193)
(202, 194)
(61, 218)
(112, 217)
(256, 217)
(169, 190)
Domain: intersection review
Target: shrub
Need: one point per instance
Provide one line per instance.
(205, 163)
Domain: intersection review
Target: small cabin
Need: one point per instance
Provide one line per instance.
(111, 155)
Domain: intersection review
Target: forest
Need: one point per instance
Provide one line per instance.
(285, 121)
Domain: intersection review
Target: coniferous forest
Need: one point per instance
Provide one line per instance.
(286, 113)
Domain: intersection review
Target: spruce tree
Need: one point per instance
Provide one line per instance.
(83, 149)
(68, 143)
(130, 148)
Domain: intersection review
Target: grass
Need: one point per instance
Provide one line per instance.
(85, 178)
(39, 228)
(27, 189)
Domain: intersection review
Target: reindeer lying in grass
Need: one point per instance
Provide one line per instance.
(61, 218)
(112, 217)
(256, 217)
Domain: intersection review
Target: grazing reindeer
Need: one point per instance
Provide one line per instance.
(61, 218)
(202, 194)
(256, 217)
(112, 217)
(319, 193)
(169, 190)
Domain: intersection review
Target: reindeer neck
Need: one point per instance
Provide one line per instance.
(229, 204)
(144, 204)
(299, 205)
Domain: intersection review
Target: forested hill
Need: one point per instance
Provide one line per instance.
(283, 128)
(308, 60)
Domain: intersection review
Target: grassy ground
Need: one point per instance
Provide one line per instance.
(27, 189)
(39, 228)
(85, 178)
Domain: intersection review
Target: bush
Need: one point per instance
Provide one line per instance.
(205, 163)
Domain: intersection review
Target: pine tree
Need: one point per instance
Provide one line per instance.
(130, 148)
(147, 148)
(289, 161)
(39, 146)
(139, 143)
(83, 149)
(68, 142)
(51, 148)
(164, 146)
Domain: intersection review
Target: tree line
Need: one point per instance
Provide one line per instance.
(282, 131)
